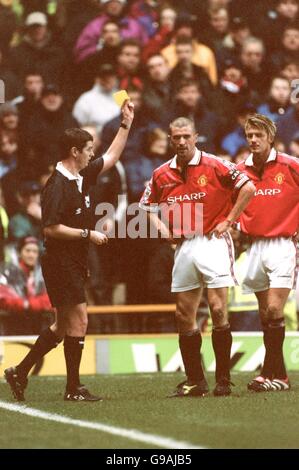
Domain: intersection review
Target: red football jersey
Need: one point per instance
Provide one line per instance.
(274, 210)
(205, 186)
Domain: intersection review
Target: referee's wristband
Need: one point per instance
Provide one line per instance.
(125, 126)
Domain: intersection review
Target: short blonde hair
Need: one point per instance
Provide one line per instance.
(263, 123)
(182, 122)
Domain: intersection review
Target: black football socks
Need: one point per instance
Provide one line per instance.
(222, 343)
(276, 334)
(73, 347)
(267, 366)
(190, 344)
(44, 343)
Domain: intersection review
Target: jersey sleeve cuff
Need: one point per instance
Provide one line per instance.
(149, 208)
(244, 179)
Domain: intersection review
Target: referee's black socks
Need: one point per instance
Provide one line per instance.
(44, 343)
(73, 347)
(190, 344)
(222, 343)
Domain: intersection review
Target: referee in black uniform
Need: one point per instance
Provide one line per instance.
(67, 225)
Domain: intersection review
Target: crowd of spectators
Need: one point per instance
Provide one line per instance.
(216, 61)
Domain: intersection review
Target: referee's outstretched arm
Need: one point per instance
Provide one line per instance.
(63, 232)
(115, 150)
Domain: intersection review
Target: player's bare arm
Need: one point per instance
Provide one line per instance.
(246, 193)
(160, 227)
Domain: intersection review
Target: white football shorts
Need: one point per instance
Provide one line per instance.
(271, 262)
(200, 262)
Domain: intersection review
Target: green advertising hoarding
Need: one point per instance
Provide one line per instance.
(161, 353)
(125, 354)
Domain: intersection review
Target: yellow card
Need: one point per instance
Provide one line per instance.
(120, 97)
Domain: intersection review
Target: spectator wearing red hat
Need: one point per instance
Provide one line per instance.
(23, 296)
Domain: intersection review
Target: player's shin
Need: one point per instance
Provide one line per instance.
(267, 370)
(190, 344)
(276, 339)
(222, 342)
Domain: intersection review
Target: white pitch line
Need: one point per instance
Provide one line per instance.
(160, 441)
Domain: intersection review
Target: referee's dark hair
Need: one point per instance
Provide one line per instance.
(74, 137)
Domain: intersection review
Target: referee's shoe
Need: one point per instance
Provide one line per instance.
(187, 389)
(16, 383)
(80, 393)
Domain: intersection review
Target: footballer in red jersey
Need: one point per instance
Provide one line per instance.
(204, 259)
(271, 219)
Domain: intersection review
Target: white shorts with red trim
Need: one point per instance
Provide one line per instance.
(200, 262)
(271, 263)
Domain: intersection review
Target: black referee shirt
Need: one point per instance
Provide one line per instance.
(63, 203)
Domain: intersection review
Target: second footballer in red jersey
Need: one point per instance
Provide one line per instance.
(272, 220)
(202, 260)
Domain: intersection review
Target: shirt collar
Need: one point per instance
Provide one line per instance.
(65, 172)
(61, 168)
(194, 161)
(271, 158)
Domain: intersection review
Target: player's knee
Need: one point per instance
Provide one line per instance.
(274, 311)
(77, 324)
(263, 314)
(82, 323)
(183, 318)
(219, 315)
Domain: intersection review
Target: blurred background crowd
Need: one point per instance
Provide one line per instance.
(216, 61)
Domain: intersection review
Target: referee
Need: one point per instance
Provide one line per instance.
(67, 226)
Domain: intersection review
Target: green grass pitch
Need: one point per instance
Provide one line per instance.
(243, 420)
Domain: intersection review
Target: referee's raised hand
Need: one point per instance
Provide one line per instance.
(98, 238)
(127, 113)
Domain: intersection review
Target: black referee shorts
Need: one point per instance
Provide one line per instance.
(65, 280)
